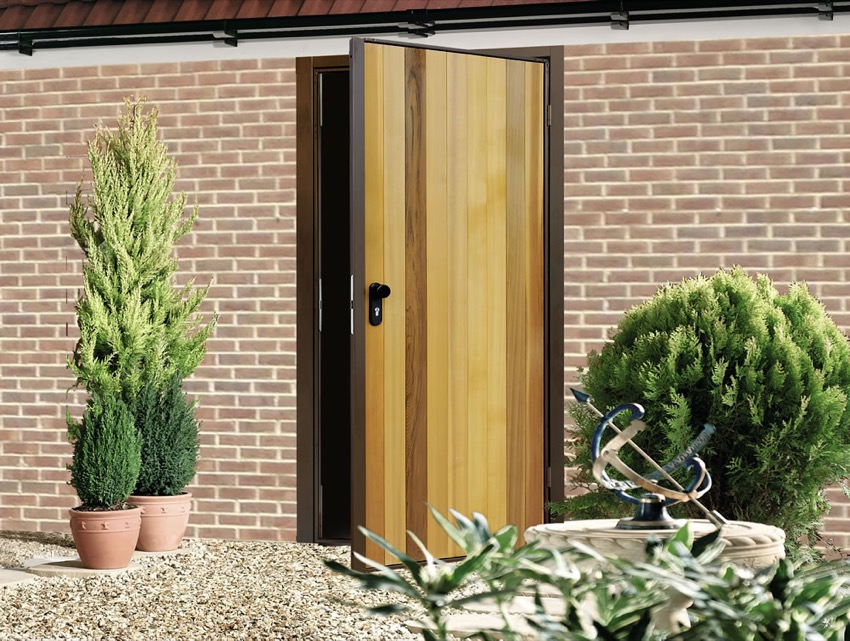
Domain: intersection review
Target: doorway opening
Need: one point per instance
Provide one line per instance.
(334, 407)
(324, 330)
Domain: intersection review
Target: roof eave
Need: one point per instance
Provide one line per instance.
(423, 22)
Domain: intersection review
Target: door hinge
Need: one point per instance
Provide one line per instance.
(549, 115)
(351, 304)
(320, 304)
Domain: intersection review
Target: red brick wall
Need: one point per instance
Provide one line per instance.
(680, 158)
(231, 126)
(683, 157)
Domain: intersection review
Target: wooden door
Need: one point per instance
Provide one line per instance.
(448, 211)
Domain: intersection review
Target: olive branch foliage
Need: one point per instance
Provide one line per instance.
(602, 598)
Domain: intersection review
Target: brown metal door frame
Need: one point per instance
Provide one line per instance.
(306, 305)
(307, 271)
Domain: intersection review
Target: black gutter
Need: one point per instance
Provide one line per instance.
(620, 14)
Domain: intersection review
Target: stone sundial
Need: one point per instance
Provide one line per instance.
(659, 489)
(748, 544)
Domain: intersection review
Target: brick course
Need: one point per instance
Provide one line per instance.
(685, 157)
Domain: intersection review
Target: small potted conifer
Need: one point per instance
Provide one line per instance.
(104, 468)
(165, 418)
(140, 334)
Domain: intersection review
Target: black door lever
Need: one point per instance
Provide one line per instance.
(377, 293)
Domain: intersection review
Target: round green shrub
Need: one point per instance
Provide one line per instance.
(165, 419)
(770, 371)
(107, 453)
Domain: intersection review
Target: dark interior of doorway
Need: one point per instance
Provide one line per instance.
(334, 403)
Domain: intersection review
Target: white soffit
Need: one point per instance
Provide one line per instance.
(486, 39)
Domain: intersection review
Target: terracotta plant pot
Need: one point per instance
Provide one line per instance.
(105, 540)
(164, 520)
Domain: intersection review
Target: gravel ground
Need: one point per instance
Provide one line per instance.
(219, 590)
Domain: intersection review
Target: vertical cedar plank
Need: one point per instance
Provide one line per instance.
(416, 301)
(534, 109)
(374, 240)
(497, 479)
(517, 302)
(394, 306)
(477, 97)
(437, 231)
(458, 292)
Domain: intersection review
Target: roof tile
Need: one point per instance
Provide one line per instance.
(133, 12)
(348, 6)
(162, 11)
(254, 9)
(103, 13)
(74, 14)
(223, 9)
(43, 15)
(12, 17)
(5, 4)
(375, 6)
(444, 4)
(285, 8)
(315, 7)
(192, 10)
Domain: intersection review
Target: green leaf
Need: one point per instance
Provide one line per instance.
(683, 536)
(639, 631)
(414, 568)
(703, 544)
(604, 633)
(386, 579)
(387, 609)
(453, 532)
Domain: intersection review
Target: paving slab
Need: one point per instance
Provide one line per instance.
(469, 622)
(40, 560)
(554, 606)
(74, 568)
(13, 577)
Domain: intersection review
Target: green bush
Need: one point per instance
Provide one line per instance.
(165, 420)
(107, 453)
(770, 371)
(134, 324)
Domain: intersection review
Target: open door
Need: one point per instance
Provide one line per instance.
(448, 398)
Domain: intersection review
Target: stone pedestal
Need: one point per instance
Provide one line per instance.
(753, 545)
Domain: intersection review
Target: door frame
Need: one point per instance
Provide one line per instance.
(308, 366)
(307, 298)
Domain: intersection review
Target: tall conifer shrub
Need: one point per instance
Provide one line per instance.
(135, 325)
(770, 371)
(140, 334)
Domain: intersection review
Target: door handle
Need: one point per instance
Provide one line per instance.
(377, 293)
